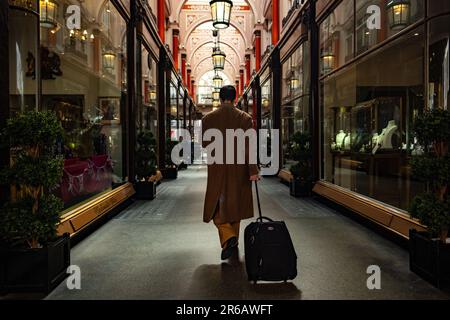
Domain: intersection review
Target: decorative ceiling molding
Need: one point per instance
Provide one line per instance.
(185, 37)
(204, 43)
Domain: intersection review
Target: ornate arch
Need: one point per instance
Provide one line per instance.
(205, 20)
(250, 3)
(201, 45)
(194, 68)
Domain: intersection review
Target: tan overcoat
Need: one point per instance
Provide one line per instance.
(229, 187)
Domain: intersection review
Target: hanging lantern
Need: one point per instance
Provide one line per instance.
(48, 11)
(218, 81)
(109, 60)
(216, 104)
(294, 82)
(218, 57)
(399, 13)
(327, 58)
(216, 95)
(266, 103)
(221, 13)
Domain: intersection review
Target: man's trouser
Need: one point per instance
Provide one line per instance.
(226, 230)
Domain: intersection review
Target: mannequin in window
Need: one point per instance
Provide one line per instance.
(384, 140)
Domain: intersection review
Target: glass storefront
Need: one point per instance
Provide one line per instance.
(82, 75)
(23, 47)
(295, 99)
(172, 113)
(148, 111)
(368, 115)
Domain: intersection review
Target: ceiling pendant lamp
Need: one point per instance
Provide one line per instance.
(218, 81)
(221, 13)
(218, 56)
(48, 10)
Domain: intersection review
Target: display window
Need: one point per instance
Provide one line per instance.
(439, 65)
(81, 74)
(172, 113)
(295, 99)
(148, 111)
(368, 114)
(337, 37)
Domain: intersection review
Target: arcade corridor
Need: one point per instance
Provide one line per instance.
(162, 250)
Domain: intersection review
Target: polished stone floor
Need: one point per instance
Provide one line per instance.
(163, 250)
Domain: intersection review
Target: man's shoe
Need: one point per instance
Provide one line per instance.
(228, 250)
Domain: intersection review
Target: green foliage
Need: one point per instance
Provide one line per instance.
(32, 214)
(432, 127)
(432, 208)
(170, 144)
(145, 156)
(301, 153)
(18, 224)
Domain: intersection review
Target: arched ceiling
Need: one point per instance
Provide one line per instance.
(193, 18)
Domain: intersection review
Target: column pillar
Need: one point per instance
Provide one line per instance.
(275, 21)
(189, 83)
(183, 68)
(176, 48)
(162, 20)
(247, 69)
(258, 50)
(241, 82)
(237, 90)
(193, 90)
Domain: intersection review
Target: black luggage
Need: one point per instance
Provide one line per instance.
(269, 252)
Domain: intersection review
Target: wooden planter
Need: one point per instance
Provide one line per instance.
(429, 258)
(34, 270)
(145, 190)
(299, 188)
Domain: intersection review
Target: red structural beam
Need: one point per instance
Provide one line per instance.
(183, 68)
(247, 69)
(275, 21)
(257, 50)
(162, 20)
(176, 45)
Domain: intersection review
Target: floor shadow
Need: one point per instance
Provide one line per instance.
(228, 281)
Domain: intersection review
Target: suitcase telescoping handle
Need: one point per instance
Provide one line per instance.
(261, 217)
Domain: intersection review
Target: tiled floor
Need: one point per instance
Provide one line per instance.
(163, 250)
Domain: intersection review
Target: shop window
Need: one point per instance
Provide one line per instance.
(83, 73)
(368, 114)
(23, 50)
(437, 7)
(337, 37)
(172, 113)
(394, 17)
(294, 118)
(439, 69)
(148, 112)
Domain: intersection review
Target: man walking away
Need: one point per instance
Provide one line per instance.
(229, 197)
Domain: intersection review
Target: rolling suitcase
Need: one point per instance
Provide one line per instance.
(269, 251)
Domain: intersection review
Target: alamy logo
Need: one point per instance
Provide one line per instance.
(74, 280)
(73, 21)
(374, 280)
(236, 147)
(374, 19)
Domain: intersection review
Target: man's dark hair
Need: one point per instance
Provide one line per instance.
(228, 93)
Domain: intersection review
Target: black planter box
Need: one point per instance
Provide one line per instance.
(299, 188)
(34, 270)
(170, 173)
(430, 259)
(145, 190)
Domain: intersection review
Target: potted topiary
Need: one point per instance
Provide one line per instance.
(301, 183)
(171, 170)
(146, 169)
(32, 257)
(430, 251)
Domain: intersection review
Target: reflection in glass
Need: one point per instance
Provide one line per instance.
(368, 115)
